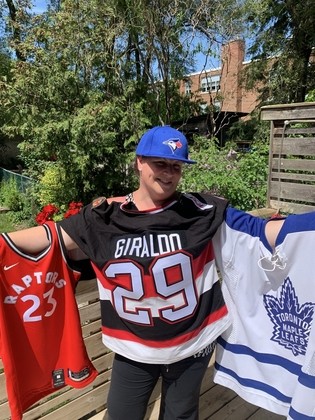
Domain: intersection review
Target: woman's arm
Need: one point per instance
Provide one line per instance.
(31, 241)
(34, 240)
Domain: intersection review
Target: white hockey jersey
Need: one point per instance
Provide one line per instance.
(267, 355)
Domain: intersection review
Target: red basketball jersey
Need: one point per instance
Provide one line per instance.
(42, 347)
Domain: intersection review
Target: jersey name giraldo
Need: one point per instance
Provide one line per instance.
(146, 245)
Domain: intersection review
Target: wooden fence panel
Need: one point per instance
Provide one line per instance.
(291, 181)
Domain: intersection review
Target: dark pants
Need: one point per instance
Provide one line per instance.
(132, 384)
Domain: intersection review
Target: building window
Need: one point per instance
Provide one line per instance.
(188, 88)
(210, 83)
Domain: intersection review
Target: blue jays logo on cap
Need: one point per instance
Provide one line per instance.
(173, 144)
(164, 142)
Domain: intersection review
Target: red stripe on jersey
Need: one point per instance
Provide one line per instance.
(123, 335)
(206, 256)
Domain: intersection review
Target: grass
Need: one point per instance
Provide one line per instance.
(6, 225)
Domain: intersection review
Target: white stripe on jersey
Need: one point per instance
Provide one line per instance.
(147, 354)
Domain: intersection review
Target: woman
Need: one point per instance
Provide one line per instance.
(161, 301)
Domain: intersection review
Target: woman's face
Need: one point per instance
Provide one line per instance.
(158, 176)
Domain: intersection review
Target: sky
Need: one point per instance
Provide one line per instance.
(202, 63)
(39, 5)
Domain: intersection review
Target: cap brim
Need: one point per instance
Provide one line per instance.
(189, 161)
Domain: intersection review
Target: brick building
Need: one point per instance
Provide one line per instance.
(221, 86)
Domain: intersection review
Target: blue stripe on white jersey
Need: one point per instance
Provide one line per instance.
(267, 358)
(254, 384)
(243, 222)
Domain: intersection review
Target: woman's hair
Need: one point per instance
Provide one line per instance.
(135, 166)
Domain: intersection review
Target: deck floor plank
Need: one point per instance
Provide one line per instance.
(266, 415)
(236, 409)
(217, 403)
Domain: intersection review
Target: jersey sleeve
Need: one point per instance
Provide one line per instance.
(239, 229)
(303, 401)
(295, 223)
(81, 225)
(84, 266)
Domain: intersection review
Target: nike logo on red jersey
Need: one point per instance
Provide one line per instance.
(7, 267)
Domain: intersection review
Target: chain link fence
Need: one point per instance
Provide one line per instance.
(22, 182)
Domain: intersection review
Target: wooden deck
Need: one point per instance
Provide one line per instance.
(216, 402)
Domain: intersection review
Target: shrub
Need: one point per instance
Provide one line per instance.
(239, 177)
(53, 186)
(21, 204)
(10, 195)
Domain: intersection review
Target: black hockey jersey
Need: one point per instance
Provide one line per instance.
(161, 299)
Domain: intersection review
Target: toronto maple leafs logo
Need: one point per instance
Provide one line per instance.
(292, 321)
(173, 144)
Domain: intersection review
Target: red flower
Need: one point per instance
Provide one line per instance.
(50, 210)
(41, 218)
(47, 213)
(73, 208)
(75, 205)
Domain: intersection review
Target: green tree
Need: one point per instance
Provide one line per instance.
(5, 67)
(68, 102)
(283, 44)
(91, 76)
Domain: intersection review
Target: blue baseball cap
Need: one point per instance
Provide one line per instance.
(164, 142)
